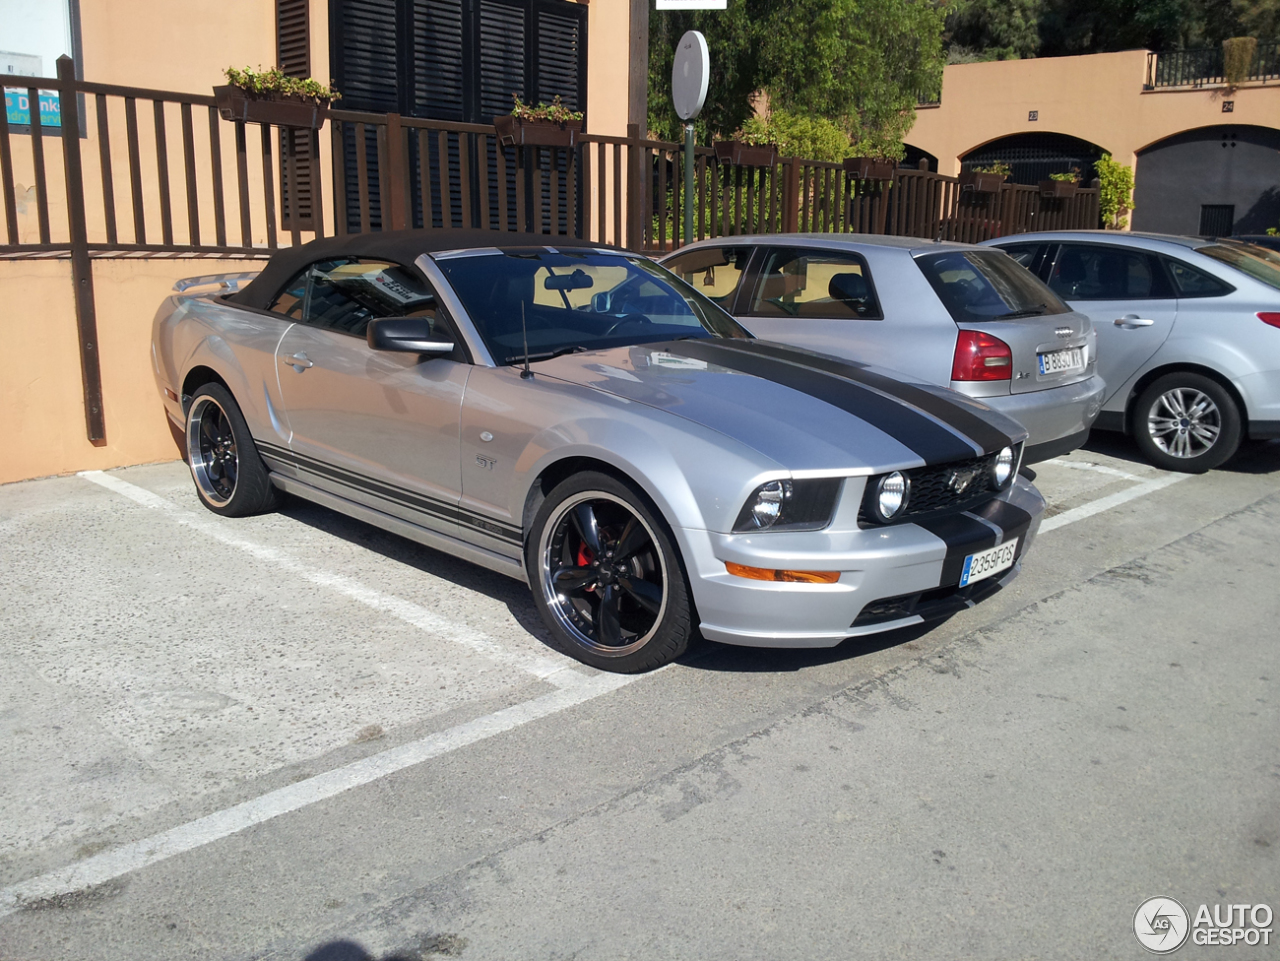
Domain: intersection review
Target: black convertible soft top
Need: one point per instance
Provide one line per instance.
(397, 246)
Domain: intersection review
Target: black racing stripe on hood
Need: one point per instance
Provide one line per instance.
(989, 437)
(931, 441)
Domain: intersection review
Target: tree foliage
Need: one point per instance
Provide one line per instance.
(1003, 29)
(995, 29)
(859, 64)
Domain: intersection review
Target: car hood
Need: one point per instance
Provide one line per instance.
(804, 410)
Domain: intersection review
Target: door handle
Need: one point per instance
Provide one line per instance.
(1133, 320)
(297, 361)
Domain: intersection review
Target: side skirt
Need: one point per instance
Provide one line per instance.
(512, 567)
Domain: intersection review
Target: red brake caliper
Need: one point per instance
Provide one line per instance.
(585, 557)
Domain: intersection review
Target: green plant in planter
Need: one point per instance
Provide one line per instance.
(554, 112)
(1070, 176)
(262, 83)
(997, 168)
(1115, 190)
(795, 135)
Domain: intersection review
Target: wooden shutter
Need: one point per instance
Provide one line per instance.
(293, 56)
(560, 60)
(438, 63)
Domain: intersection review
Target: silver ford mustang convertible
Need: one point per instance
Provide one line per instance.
(581, 419)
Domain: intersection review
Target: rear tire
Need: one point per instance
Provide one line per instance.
(1186, 422)
(607, 577)
(228, 471)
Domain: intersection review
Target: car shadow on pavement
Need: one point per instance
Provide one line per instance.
(430, 946)
(472, 577)
(1253, 457)
(710, 656)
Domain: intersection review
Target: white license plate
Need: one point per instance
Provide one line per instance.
(1056, 361)
(983, 564)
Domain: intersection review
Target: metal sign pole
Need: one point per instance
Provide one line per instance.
(688, 184)
(689, 74)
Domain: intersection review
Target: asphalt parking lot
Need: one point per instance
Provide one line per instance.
(296, 736)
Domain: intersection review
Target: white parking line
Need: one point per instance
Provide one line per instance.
(186, 837)
(552, 670)
(1095, 468)
(1110, 501)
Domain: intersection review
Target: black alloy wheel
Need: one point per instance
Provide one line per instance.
(607, 578)
(229, 474)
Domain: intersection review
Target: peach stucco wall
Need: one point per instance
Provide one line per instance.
(43, 430)
(1098, 98)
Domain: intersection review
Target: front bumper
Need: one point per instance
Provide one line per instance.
(881, 570)
(1055, 414)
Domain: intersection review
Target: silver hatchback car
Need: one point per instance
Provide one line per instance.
(1188, 337)
(957, 315)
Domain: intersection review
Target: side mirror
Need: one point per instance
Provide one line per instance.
(411, 335)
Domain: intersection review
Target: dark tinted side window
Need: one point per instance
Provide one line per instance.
(346, 294)
(1095, 272)
(1195, 283)
(293, 298)
(800, 282)
(715, 272)
(1025, 254)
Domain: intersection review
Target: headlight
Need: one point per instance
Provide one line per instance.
(1003, 468)
(792, 505)
(891, 495)
(767, 507)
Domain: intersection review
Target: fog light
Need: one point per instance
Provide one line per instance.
(1002, 470)
(891, 495)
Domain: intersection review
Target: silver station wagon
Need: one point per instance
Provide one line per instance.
(951, 314)
(1188, 335)
(582, 420)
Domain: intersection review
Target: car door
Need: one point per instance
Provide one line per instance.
(377, 427)
(1128, 295)
(715, 272)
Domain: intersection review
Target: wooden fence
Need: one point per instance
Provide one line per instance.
(153, 173)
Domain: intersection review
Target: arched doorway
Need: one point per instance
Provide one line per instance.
(1211, 181)
(1033, 156)
(913, 157)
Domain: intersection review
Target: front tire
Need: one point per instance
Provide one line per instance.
(228, 471)
(606, 576)
(1186, 422)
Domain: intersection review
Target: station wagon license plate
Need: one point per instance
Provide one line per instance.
(1056, 361)
(980, 566)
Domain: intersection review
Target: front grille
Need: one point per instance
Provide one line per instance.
(933, 490)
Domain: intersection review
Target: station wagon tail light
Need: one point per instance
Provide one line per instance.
(980, 356)
(793, 577)
(1271, 317)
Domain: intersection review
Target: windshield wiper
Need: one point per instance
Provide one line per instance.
(1035, 311)
(547, 355)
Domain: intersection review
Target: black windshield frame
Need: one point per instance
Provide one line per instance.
(515, 296)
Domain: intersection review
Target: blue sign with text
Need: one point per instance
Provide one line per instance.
(17, 107)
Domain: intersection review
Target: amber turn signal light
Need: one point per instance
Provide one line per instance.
(796, 577)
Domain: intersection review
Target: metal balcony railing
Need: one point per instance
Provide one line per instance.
(1204, 66)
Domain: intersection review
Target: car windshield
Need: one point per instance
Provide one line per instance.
(1258, 262)
(576, 299)
(983, 285)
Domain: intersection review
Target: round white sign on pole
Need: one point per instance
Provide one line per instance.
(689, 75)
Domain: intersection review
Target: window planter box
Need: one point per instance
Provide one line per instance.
(1058, 189)
(981, 183)
(536, 133)
(235, 104)
(744, 155)
(868, 168)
